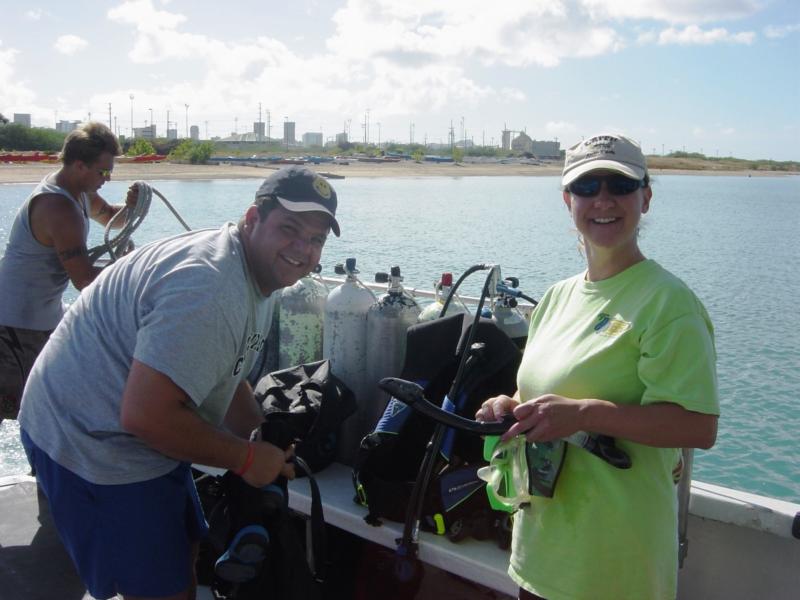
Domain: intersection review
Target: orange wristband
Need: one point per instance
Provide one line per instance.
(248, 462)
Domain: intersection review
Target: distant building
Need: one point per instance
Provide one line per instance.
(506, 140)
(312, 138)
(522, 143)
(542, 149)
(145, 133)
(23, 119)
(259, 129)
(341, 138)
(172, 134)
(67, 126)
(288, 132)
(194, 132)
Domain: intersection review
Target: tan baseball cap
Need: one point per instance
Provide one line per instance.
(610, 151)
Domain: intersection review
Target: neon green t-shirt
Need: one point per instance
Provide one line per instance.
(640, 337)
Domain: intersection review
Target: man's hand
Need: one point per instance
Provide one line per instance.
(268, 463)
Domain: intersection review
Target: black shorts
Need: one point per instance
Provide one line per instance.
(18, 350)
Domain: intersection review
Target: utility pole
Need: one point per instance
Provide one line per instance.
(259, 121)
(268, 127)
(167, 130)
(152, 123)
(109, 115)
(379, 136)
(187, 121)
(236, 125)
(131, 97)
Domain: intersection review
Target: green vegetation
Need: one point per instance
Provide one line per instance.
(139, 147)
(695, 161)
(194, 152)
(14, 136)
(418, 155)
(457, 154)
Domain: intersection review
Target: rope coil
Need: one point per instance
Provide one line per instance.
(121, 243)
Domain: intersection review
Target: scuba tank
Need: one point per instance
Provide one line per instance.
(388, 319)
(441, 289)
(505, 314)
(344, 342)
(302, 308)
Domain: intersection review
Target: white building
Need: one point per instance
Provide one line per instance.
(23, 119)
(145, 133)
(312, 138)
(288, 132)
(194, 132)
(67, 126)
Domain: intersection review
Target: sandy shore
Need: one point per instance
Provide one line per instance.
(33, 172)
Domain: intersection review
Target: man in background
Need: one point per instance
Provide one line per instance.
(46, 249)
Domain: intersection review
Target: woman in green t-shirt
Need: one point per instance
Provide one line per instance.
(624, 349)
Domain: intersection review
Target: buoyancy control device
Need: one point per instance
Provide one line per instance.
(389, 457)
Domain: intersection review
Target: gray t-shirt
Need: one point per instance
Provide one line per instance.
(185, 306)
(32, 278)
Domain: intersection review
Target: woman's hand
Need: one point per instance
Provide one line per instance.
(547, 418)
(495, 408)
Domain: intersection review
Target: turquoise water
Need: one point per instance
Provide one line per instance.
(732, 239)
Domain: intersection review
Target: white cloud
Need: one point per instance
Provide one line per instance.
(694, 35)
(727, 131)
(780, 31)
(560, 127)
(671, 11)
(14, 91)
(70, 44)
(404, 57)
(34, 14)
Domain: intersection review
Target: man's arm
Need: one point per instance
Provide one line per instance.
(244, 414)
(57, 221)
(158, 411)
(102, 212)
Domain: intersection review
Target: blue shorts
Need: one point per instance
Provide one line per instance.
(134, 539)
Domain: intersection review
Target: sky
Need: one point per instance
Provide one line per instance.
(721, 77)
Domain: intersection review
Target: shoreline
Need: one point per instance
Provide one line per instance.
(34, 172)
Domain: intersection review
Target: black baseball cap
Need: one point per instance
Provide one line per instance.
(299, 189)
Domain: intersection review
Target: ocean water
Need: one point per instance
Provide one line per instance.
(732, 239)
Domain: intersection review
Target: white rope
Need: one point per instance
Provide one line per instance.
(120, 244)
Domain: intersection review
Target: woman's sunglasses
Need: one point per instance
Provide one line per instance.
(589, 186)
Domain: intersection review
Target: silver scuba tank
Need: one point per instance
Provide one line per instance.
(302, 308)
(344, 342)
(388, 319)
(504, 311)
(441, 290)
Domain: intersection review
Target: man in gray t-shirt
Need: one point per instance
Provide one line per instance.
(146, 374)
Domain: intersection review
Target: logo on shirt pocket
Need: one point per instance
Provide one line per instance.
(610, 326)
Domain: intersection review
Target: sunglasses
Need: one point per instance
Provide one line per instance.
(589, 186)
(104, 172)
